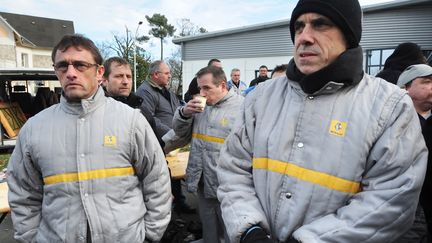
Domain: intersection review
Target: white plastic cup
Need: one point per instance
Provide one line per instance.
(202, 101)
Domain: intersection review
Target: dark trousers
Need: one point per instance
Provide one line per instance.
(176, 190)
(418, 232)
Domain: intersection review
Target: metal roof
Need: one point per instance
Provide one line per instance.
(366, 9)
(232, 31)
(393, 5)
(10, 74)
(38, 31)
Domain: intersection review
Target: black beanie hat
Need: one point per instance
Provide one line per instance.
(405, 55)
(192, 90)
(346, 14)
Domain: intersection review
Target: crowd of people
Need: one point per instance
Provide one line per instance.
(319, 152)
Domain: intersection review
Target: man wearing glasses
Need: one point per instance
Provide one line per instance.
(157, 98)
(88, 169)
(162, 103)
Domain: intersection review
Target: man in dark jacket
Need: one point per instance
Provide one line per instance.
(117, 83)
(405, 55)
(263, 70)
(162, 103)
(417, 80)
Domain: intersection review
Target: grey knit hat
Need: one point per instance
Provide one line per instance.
(412, 72)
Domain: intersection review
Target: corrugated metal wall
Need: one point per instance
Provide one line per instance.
(275, 41)
(387, 29)
(381, 29)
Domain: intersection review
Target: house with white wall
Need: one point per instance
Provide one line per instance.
(27, 41)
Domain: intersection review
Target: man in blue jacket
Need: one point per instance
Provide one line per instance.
(235, 83)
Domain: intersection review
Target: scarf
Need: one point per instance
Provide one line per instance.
(346, 69)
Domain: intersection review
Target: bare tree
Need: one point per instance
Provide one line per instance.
(122, 45)
(143, 63)
(175, 63)
(186, 28)
(104, 49)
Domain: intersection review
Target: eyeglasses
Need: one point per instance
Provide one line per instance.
(78, 65)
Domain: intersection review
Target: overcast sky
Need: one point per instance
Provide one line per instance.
(99, 19)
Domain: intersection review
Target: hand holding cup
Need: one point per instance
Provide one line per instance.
(195, 105)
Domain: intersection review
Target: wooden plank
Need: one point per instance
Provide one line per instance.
(12, 118)
(177, 164)
(4, 205)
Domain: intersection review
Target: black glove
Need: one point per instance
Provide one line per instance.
(292, 240)
(256, 235)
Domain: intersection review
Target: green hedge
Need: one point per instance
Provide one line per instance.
(4, 158)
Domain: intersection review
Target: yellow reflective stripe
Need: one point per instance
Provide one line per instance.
(315, 177)
(208, 138)
(88, 175)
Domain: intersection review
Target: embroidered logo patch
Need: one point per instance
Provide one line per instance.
(110, 141)
(338, 128)
(224, 122)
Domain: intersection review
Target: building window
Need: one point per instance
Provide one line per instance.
(428, 55)
(24, 60)
(376, 59)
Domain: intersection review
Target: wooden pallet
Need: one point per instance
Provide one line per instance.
(177, 164)
(12, 118)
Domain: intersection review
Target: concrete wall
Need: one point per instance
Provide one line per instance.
(7, 46)
(42, 61)
(7, 56)
(40, 58)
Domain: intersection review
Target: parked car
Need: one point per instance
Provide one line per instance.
(23, 93)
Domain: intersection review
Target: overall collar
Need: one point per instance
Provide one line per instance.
(155, 85)
(85, 106)
(228, 95)
(132, 100)
(346, 70)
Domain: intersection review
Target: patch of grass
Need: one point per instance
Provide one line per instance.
(4, 158)
(185, 148)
